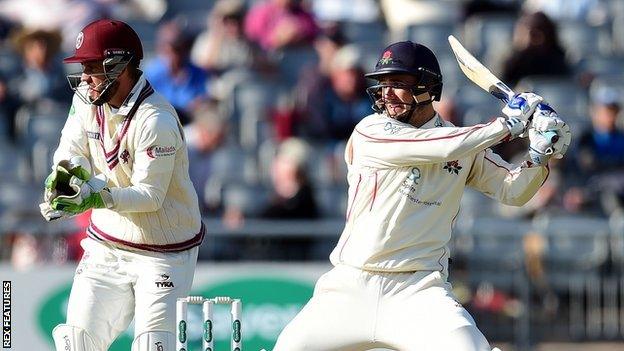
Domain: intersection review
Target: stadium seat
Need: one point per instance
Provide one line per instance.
(184, 7)
(41, 159)
(601, 65)
(37, 123)
(252, 102)
(332, 200)
(9, 61)
(290, 61)
(481, 113)
(249, 198)
(366, 33)
(617, 243)
(433, 35)
(229, 164)
(617, 26)
(576, 251)
(581, 40)
(20, 197)
(564, 94)
(493, 245)
(482, 33)
(12, 162)
(469, 95)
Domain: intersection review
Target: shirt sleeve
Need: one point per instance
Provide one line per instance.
(73, 140)
(159, 141)
(507, 183)
(384, 144)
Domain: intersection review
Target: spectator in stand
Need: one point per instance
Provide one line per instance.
(341, 102)
(204, 136)
(601, 148)
(223, 45)
(599, 160)
(536, 50)
(480, 7)
(313, 82)
(8, 106)
(360, 11)
(590, 11)
(346, 102)
(292, 192)
(41, 75)
(275, 24)
(172, 74)
(400, 14)
(66, 16)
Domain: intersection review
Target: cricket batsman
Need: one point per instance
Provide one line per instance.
(407, 170)
(123, 155)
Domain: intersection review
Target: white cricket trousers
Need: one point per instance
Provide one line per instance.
(113, 285)
(353, 309)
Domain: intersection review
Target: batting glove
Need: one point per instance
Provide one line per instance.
(521, 107)
(540, 147)
(546, 121)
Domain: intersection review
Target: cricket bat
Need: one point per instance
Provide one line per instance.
(481, 76)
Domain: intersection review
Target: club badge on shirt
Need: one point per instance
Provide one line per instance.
(453, 167)
(125, 156)
(391, 128)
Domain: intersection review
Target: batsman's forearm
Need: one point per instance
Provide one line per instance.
(522, 184)
(410, 146)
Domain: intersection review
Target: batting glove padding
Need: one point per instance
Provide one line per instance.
(546, 119)
(540, 149)
(516, 127)
(522, 106)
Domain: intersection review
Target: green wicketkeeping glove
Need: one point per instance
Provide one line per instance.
(57, 183)
(86, 194)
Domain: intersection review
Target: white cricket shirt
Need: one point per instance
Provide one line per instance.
(142, 152)
(405, 187)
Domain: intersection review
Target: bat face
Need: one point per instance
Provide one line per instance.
(479, 74)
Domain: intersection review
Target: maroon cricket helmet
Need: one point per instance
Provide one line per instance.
(103, 37)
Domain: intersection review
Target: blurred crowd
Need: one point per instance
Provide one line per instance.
(268, 92)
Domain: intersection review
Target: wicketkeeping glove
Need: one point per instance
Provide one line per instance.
(70, 189)
(57, 183)
(51, 214)
(87, 194)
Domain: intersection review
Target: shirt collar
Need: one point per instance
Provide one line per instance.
(435, 122)
(125, 108)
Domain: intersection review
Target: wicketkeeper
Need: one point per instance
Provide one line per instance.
(407, 170)
(122, 154)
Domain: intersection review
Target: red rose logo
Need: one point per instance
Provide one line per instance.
(386, 58)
